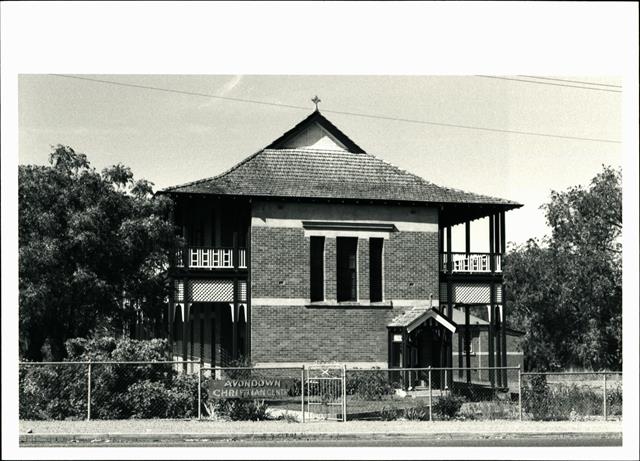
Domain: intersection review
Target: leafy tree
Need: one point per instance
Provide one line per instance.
(93, 251)
(566, 290)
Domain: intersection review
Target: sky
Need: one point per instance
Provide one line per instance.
(171, 138)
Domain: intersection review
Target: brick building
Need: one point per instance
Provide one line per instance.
(312, 250)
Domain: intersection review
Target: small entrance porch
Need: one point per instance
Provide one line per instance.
(420, 338)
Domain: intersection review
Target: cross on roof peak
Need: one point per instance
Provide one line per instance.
(316, 100)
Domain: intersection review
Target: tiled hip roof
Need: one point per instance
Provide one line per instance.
(304, 173)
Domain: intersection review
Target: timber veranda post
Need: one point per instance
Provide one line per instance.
(430, 396)
(604, 396)
(89, 391)
(520, 392)
(302, 391)
(199, 393)
(344, 393)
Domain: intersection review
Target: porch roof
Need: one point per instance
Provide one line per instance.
(417, 315)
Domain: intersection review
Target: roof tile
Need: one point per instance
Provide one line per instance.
(304, 173)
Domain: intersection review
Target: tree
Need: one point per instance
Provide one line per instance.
(93, 248)
(566, 290)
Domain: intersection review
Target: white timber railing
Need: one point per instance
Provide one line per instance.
(242, 258)
(471, 262)
(210, 258)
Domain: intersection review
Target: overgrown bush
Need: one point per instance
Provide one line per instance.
(448, 406)
(419, 413)
(118, 391)
(241, 409)
(535, 397)
(146, 399)
(562, 402)
(390, 413)
(614, 401)
(53, 392)
(368, 385)
(489, 410)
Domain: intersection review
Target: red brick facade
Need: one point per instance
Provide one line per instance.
(293, 330)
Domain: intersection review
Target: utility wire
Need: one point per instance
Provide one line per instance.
(169, 90)
(548, 83)
(355, 114)
(570, 81)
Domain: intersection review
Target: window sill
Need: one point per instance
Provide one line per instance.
(351, 304)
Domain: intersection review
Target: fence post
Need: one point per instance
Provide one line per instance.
(520, 391)
(344, 393)
(89, 392)
(430, 396)
(199, 393)
(604, 399)
(302, 392)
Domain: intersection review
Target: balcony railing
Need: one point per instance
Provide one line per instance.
(471, 262)
(211, 258)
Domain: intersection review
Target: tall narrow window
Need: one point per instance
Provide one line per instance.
(347, 268)
(317, 269)
(375, 269)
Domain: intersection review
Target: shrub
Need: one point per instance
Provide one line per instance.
(241, 409)
(419, 413)
(53, 392)
(489, 410)
(147, 399)
(561, 401)
(535, 397)
(368, 385)
(118, 390)
(183, 396)
(448, 406)
(390, 413)
(614, 401)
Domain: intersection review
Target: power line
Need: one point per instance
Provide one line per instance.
(548, 83)
(571, 81)
(354, 114)
(190, 93)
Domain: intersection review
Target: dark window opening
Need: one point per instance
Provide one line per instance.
(347, 268)
(191, 338)
(213, 342)
(177, 332)
(375, 269)
(201, 338)
(395, 361)
(317, 269)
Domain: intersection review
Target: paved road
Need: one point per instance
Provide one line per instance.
(547, 441)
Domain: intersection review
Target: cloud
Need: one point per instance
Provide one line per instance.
(225, 90)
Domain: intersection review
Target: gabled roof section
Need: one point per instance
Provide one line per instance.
(417, 315)
(317, 119)
(306, 173)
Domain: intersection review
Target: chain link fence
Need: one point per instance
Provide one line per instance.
(189, 390)
(107, 390)
(431, 393)
(574, 396)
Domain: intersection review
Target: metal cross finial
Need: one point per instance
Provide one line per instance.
(316, 100)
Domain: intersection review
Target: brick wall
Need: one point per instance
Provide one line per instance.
(411, 266)
(299, 333)
(280, 265)
(303, 334)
